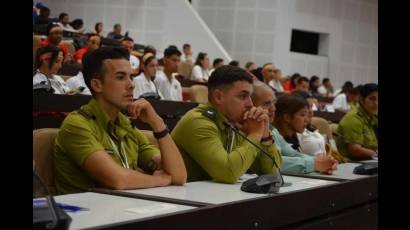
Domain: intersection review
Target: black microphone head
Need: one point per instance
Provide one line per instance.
(369, 168)
(266, 183)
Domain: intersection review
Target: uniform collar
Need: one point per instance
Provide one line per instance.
(104, 121)
(219, 117)
(372, 119)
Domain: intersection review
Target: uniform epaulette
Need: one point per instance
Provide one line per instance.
(86, 114)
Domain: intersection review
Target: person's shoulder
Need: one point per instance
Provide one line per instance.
(38, 77)
(196, 116)
(139, 77)
(351, 118)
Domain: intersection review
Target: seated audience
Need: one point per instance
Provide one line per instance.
(54, 37)
(93, 43)
(200, 72)
(167, 84)
(128, 43)
(218, 62)
(144, 83)
(249, 66)
(313, 86)
(64, 22)
(99, 29)
(326, 89)
(98, 147)
(210, 147)
(234, 63)
(293, 160)
(277, 80)
(357, 133)
(186, 49)
(346, 100)
(44, 17)
(302, 84)
(311, 141)
(346, 85)
(47, 64)
(290, 84)
(116, 33)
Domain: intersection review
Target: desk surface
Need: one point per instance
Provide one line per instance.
(107, 209)
(217, 193)
(344, 171)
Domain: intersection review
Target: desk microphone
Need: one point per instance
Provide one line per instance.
(41, 219)
(266, 183)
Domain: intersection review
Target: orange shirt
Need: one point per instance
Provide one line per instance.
(78, 56)
(288, 86)
(61, 46)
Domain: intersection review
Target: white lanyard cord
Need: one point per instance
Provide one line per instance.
(122, 157)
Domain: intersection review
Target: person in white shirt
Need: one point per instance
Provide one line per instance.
(272, 76)
(77, 83)
(186, 49)
(343, 101)
(326, 89)
(128, 43)
(200, 71)
(347, 84)
(218, 62)
(48, 62)
(165, 80)
(63, 22)
(144, 83)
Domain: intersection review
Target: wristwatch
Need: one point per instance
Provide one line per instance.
(161, 134)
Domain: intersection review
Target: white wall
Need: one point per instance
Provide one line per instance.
(260, 31)
(151, 22)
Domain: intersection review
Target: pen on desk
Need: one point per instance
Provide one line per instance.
(71, 208)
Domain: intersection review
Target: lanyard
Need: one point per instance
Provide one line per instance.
(230, 140)
(123, 158)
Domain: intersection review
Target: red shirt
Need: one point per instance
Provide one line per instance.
(78, 56)
(61, 46)
(288, 86)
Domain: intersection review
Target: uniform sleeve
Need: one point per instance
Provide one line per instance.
(293, 161)
(196, 73)
(146, 150)
(201, 140)
(77, 140)
(352, 131)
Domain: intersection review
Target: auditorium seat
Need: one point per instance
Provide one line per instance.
(43, 147)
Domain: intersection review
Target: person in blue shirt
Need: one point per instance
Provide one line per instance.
(293, 160)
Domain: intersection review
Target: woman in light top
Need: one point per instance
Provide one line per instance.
(48, 62)
(144, 83)
(200, 72)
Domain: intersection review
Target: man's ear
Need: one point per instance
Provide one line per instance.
(96, 85)
(217, 96)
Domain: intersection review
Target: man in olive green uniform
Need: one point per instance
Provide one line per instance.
(357, 131)
(210, 148)
(97, 145)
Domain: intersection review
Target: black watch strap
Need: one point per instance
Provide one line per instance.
(161, 134)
